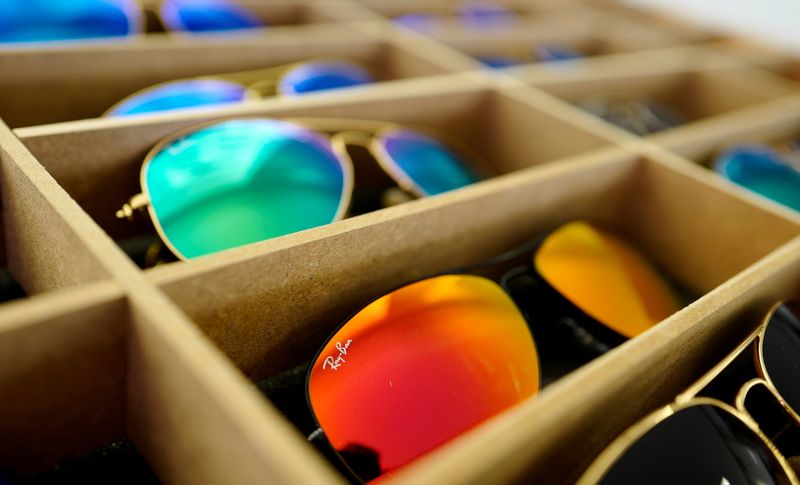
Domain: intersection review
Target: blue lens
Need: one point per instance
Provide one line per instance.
(418, 21)
(484, 14)
(242, 181)
(180, 94)
(499, 62)
(760, 169)
(425, 162)
(552, 53)
(319, 76)
(207, 16)
(53, 20)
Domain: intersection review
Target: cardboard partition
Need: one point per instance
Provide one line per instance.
(774, 121)
(584, 32)
(63, 376)
(660, 19)
(45, 246)
(704, 96)
(269, 319)
(193, 416)
(61, 84)
(503, 134)
(447, 11)
(772, 58)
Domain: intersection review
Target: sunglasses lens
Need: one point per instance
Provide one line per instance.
(760, 169)
(417, 21)
(553, 53)
(423, 162)
(319, 76)
(484, 14)
(179, 95)
(419, 366)
(207, 16)
(606, 277)
(47, 20)
(781, 352)
(500, 61)
(242, 181)
(697, 445)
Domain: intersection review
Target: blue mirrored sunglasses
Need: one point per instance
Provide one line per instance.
(51, 20)
(765, 170)
(288, 80)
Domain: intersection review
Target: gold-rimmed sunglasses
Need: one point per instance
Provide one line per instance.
(216, 89)
(227, 183)
(700, 438)
(99, 19)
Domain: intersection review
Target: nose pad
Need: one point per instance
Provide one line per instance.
(763, 405)
(559, 347)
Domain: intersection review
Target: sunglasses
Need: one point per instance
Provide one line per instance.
(638, 116)
(470, 14)
(700, 439)
(228, 183)
(48, 20)
(517, 57)
(770, 171)
(287, 80)
(428, 361)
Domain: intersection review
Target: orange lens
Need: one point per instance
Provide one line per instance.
(419, 366)
(606, 277)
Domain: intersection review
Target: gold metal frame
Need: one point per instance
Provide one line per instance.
(257, 83)
(340, 133)
(689, 398)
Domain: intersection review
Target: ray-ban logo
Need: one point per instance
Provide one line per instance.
(334, 362)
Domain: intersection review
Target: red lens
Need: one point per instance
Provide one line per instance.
(420, 365)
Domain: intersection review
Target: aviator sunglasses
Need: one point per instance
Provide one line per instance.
(228, 183)
(700, 439)
(286, 80)
(516, 57)
(473, 14)
(431, 359)
(52, 20)
(770, 171)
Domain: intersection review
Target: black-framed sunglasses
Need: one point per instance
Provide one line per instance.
(726, 428)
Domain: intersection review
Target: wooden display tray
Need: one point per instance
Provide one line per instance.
(167, 356)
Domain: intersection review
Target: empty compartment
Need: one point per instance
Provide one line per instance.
(99, 165)
(279, 304)
(44, 86)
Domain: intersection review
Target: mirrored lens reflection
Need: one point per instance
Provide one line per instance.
(318, 76)
(48, 20)
(242, 181)
(701, 445)
(606, 277)
(781, 352)
(763, 170)
(427, 163)
(207, 16)
(419, 366)
(181, 95)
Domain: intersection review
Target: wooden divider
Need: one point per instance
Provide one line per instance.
(167, 356)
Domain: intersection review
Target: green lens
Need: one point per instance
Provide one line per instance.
(242, 181)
